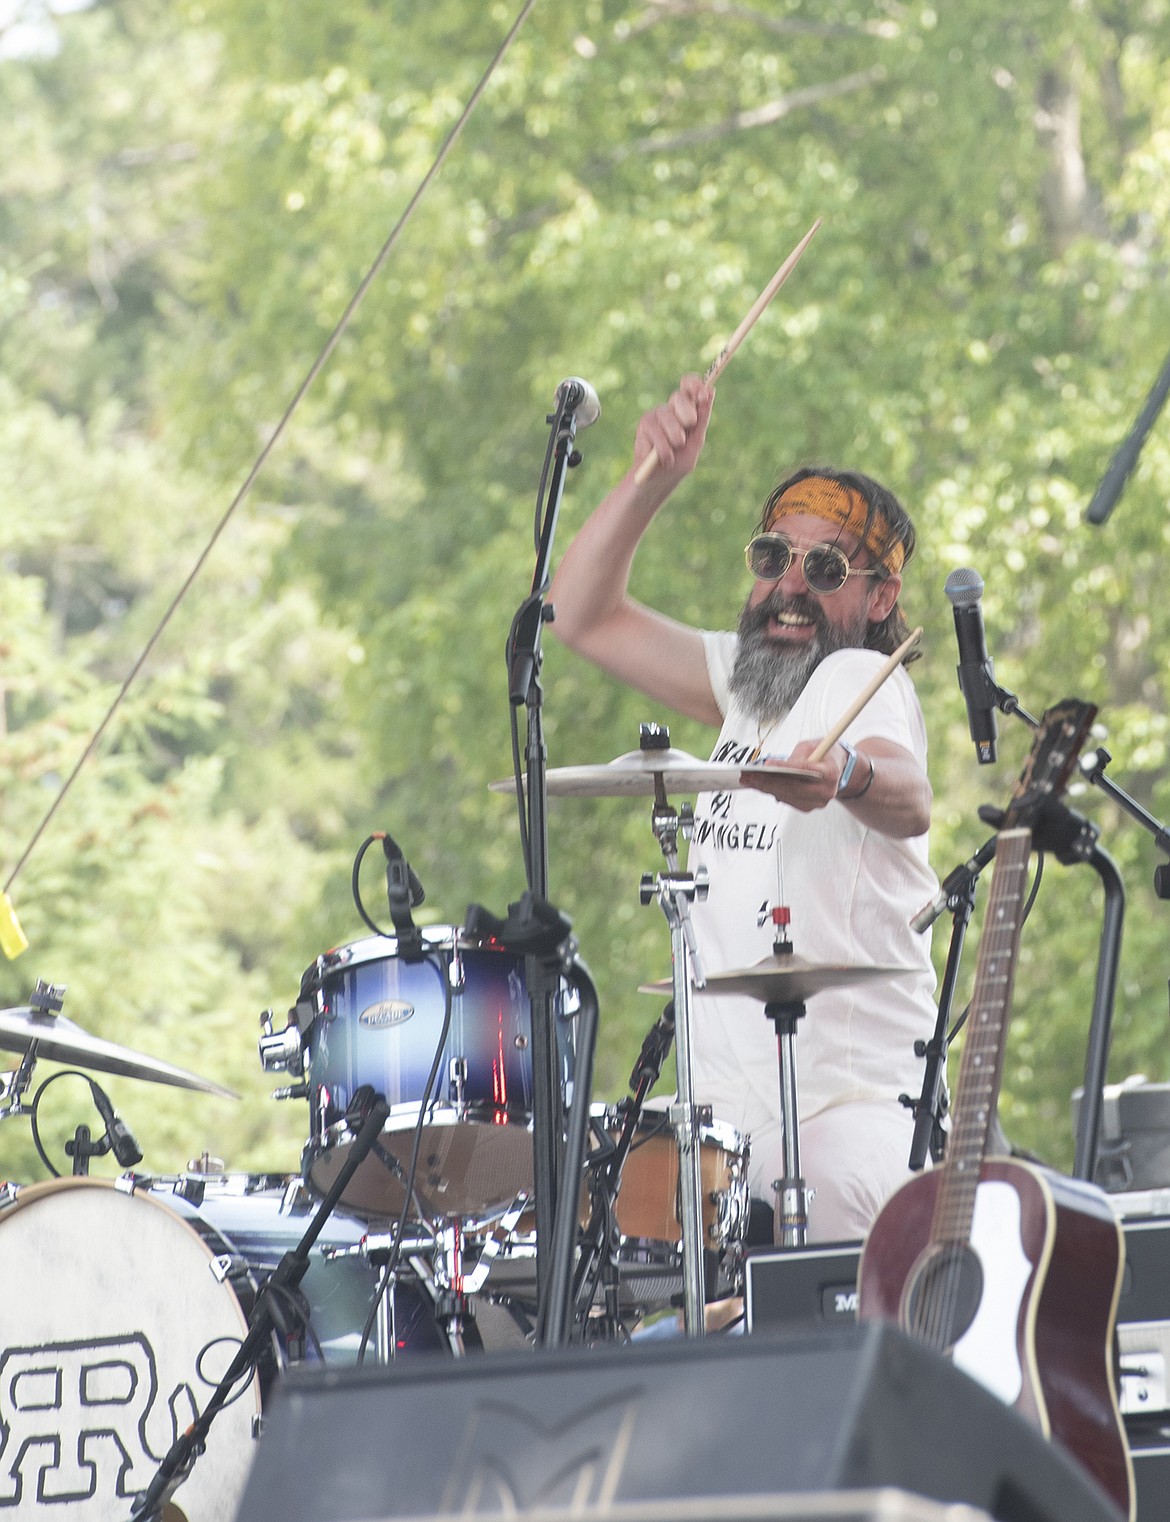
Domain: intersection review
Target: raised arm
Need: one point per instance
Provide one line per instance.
(595, 615)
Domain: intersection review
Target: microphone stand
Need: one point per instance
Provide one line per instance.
(597, 1238)
(1076, 846)
(266, 1317)
(957, 893)
(524, 663)
(537, 929)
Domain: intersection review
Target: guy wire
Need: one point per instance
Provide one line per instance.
(314, 370)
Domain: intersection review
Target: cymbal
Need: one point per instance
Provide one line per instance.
(633, 775)
(777, 979)
(60, 1040)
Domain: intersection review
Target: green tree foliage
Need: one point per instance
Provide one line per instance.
(188, 198)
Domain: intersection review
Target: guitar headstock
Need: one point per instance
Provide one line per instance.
(1056, 745)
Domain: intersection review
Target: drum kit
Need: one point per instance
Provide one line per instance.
(126, 1302)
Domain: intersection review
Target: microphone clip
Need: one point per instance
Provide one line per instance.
(403, 892)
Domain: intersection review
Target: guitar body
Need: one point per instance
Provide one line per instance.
(1033, 1317)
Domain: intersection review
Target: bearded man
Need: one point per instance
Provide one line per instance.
(844, 851)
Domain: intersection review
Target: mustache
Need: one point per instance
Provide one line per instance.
(752, 620)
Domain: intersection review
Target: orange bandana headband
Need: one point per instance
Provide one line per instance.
(846, 509)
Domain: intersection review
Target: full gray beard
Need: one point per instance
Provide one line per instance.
(767, 679)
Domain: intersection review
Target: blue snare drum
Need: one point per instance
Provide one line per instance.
(376, 1020)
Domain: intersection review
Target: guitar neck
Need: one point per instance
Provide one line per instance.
(981, 1068)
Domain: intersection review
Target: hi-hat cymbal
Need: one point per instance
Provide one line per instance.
(784, 978)
(634, 775)
(60, 1040)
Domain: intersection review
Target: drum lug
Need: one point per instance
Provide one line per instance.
(457, 1079)
(280, 1051)
(296, 1197)
(455, 974)
(227, 1265)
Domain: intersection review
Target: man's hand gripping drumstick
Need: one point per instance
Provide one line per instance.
(814, 793)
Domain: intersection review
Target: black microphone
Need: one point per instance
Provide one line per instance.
(578, 397)
(404, 892)
(654, 1048)
(1121, 465)
(121, 1138)
(976, 677)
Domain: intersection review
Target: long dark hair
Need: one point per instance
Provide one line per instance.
(887, 524)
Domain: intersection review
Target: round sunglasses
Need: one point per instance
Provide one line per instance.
(825, 567)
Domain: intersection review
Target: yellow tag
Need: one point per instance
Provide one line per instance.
(12, 938)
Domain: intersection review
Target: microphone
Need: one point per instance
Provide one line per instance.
(121, 1138)
(654, 1048)
(976, 677)
(958, 881)
(1121, 465)
(578, 397)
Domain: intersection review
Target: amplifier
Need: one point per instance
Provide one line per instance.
(790, 1287)
(810, 1286)
(1143, 1310)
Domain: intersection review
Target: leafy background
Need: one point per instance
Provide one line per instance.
(189, 194)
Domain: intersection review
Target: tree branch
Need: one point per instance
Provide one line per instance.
(759, 116)
(670, 10)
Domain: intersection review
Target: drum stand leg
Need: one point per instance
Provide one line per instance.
(675, 891)
(791, 1192)
(440, 1274)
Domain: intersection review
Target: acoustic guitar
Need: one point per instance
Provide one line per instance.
(1008, 1269)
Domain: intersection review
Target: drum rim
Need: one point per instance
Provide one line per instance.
(731, 1140)
(29, 1194)
(383, 948)
(478, 1113)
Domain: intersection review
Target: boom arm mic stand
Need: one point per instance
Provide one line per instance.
(524, 663)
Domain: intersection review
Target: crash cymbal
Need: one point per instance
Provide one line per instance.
(633, 775)
(777, 979)
(59, 1040)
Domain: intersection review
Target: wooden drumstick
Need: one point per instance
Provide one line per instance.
(863, 697)
(717, 367)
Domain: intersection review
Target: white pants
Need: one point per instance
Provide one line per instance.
(853, 1157)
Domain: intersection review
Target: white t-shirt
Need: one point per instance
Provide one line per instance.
(851, 892)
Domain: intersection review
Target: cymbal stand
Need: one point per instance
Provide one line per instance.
(47, 999)
(15, 1085)
(791, 1190)
(675, 892)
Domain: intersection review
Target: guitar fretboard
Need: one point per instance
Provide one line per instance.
(981, 1068)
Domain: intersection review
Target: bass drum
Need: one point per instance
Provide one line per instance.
(376, 1021)
(122, 1308)
(115, 1329)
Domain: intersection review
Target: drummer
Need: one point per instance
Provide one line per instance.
(846, 851)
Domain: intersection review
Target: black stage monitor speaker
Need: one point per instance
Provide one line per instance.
(626, 1430)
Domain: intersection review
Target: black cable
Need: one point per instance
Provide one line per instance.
(105, 1111)
(355, 887)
